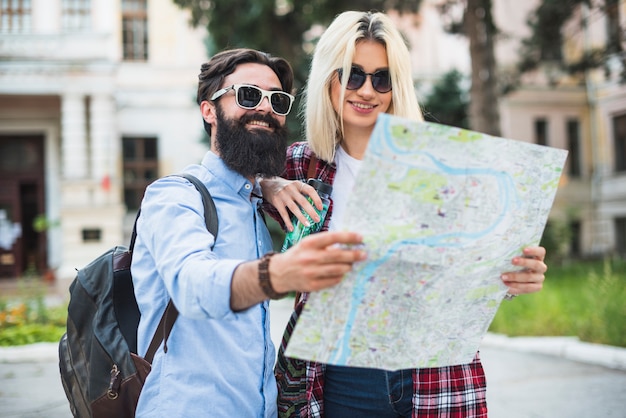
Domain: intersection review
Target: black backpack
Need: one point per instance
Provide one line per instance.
(100, 370)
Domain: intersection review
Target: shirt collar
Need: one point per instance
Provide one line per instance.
(234, 180)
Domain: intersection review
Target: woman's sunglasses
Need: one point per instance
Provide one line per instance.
(250, 97)
(381, 79)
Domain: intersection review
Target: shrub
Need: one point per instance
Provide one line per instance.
(25, 319)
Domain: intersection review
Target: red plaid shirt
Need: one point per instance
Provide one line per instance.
(453, 391)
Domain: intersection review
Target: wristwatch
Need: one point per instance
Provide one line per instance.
(264, 278)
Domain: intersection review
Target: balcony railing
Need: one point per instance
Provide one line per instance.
(57, 47)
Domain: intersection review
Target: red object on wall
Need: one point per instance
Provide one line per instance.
(106, 183)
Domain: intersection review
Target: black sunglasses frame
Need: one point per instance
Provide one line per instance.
(270, 94)
(357, 78)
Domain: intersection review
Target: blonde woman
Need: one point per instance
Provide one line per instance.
(361, 68)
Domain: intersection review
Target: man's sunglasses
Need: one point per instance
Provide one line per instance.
(250, 97)
(381, 79)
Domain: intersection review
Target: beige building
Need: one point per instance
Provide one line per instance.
(584, 113)
(96, 100)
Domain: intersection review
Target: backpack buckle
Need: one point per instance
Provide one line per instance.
(114, 383)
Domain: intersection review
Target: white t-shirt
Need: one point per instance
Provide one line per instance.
(347, 169)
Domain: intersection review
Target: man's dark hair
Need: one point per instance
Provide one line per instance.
(222, 64)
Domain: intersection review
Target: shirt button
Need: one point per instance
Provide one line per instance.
(248, 186)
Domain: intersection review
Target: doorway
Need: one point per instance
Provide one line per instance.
(23, 250)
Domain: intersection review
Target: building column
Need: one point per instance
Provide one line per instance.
(102, 139)
(74, 137)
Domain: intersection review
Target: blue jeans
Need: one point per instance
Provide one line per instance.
(363, 393)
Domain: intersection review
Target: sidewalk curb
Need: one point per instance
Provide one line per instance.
(570, 348)
(31, 353)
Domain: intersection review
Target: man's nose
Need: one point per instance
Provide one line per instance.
(265, 105)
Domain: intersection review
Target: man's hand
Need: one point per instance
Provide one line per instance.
(317, 262)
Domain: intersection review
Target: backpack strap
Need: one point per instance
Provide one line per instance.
(210, 213)
(171, 312)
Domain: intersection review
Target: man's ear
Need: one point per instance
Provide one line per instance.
(208, 112)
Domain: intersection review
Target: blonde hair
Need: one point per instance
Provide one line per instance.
(335, 49)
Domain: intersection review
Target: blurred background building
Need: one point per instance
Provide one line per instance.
(576, 100)
(97, 100)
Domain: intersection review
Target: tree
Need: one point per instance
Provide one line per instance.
(276, 26)
(545, 43)
(481, 30)
(546, 40)
(447, 103)
(279, 27)
(478, 25)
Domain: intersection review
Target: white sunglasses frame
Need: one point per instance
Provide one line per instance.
(264, 94)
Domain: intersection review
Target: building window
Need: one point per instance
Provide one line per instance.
(135, 30)
(76, 15)
(619, 142)
(92, 235)
(541, 131)
(141, 167)
(15, 16)
(573, 145)
(620, 236)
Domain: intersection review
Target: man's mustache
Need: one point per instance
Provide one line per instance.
(260, 117)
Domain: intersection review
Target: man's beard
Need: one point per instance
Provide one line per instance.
(251, 152)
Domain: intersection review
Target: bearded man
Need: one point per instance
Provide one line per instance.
(219, 357)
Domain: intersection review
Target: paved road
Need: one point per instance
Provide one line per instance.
(522, 382)
(528, 385)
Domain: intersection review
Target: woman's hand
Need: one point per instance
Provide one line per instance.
(291, 196)
(530, 279)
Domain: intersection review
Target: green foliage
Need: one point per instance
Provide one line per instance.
(275, 27)
(556, 239)
(25, 318)
(546, 25)
(30, 334)
(448, 102)
(545, 43)
(583, 299)
(41, 223)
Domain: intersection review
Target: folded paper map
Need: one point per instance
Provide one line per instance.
(442, 211)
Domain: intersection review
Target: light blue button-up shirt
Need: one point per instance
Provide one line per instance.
(219, 363)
